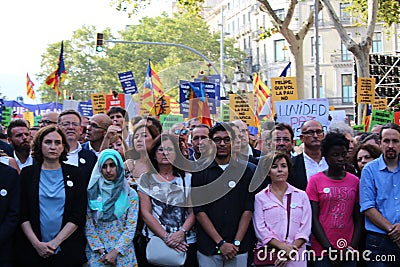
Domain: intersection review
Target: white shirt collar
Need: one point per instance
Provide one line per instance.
(73, 156)
(28, 162)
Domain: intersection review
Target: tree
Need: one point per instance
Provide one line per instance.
(295, 40)
(368, 13)
(87, 69)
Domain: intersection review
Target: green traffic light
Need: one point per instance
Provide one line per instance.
(99, 48)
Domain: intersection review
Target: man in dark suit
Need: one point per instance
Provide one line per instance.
(9, 212)
(7, 148)
(69, 122)
(310, 161)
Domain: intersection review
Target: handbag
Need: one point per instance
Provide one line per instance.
(158, 253)
(268, 255)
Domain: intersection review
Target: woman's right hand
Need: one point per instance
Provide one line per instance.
(177, 241)
(43, 249)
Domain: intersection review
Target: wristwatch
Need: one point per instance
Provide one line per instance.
(236, 243)
(184, 231)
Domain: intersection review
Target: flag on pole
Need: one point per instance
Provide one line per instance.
(154, 81)
(198, 103)
(58, 76)
(284, 72)
(262, 93)
(29, 87)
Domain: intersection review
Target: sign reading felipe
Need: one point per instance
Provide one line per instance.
(284, 88)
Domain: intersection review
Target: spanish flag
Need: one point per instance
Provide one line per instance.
(58, 76)
(29, 87)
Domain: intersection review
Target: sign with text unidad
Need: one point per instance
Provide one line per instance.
(284, 88)
(296, 112)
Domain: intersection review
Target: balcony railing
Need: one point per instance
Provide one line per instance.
(341, 101)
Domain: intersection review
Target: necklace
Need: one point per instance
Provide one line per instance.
(168, 177)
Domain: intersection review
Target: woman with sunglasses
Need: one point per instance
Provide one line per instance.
(164, 194)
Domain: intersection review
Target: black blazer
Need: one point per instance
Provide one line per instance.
(9, 210)
(7, 148)
(73, 248)
(298, 178)
(87, 160)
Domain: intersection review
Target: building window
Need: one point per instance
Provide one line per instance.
(313, 47)
(321, 88)
(347, 89)
(263, 21)
(344, 14)
(377, 42)
(319, 14)
(279, 52)
(280, 13)
(346, 54)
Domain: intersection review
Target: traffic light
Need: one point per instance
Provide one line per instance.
(99, 42)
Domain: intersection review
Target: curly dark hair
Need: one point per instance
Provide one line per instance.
(333, 139)
(37, 153)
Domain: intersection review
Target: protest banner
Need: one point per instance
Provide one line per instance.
(296, 112)
(359, 128)
(381, 117)
(284, 88)
(365, 90)
(99, 103)
(380, 104)
(70, 104)
(28, 116)
(128, 82)
(242, 107)
(337, 115)
(167, 120)
(115, 101)
(225, 111)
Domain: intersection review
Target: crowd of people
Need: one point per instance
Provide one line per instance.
(110, 190)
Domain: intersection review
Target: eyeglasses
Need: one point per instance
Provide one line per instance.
(184, 132)
(95, 126)
(165, 149)
(283, 140)
(47, 122)
(312, 132)
(67, 124)
(218, 140)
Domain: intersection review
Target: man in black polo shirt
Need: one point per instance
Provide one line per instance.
(223, 205)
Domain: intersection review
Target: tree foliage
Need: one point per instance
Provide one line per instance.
(88, 70)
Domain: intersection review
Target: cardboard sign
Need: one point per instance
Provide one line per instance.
(380, 104)
(163, 106)
(365, 90)
(99, 103)
(359, 128)
(225, 111)
(284, 88)
(128, 82)
(242, 107)
(168, 120)
(381, 117)
(296, 112)
(28, 116)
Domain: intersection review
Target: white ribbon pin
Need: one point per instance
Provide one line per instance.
(327, 190)
(3, 192)
(70, 183)
(231, 184)
(82, 160)
(293, 205)
(156, 189)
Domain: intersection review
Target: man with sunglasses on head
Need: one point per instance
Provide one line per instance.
(311, 160)
(95, 132)
(180, 130)
(49, 118)
(223, 205)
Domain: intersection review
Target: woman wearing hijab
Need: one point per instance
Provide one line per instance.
(112, 213)
(53, 206)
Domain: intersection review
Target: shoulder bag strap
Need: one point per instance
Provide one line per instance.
(289, 200)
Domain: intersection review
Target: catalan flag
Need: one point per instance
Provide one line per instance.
(154, 81)
(29, 87)
(262, 93)
(198, 103)
(58, 76)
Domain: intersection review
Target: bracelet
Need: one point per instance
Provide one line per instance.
(103, 254)
(184, 230)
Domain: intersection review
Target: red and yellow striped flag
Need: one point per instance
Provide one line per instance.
(29, 87)
(58, 76)
(262, 93)
(156, 84)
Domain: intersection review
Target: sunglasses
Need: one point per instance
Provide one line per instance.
(184, 132)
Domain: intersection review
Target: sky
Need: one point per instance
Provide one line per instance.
(27, 27)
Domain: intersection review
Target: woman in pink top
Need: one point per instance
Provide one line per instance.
(335, 210)
(270, 213)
